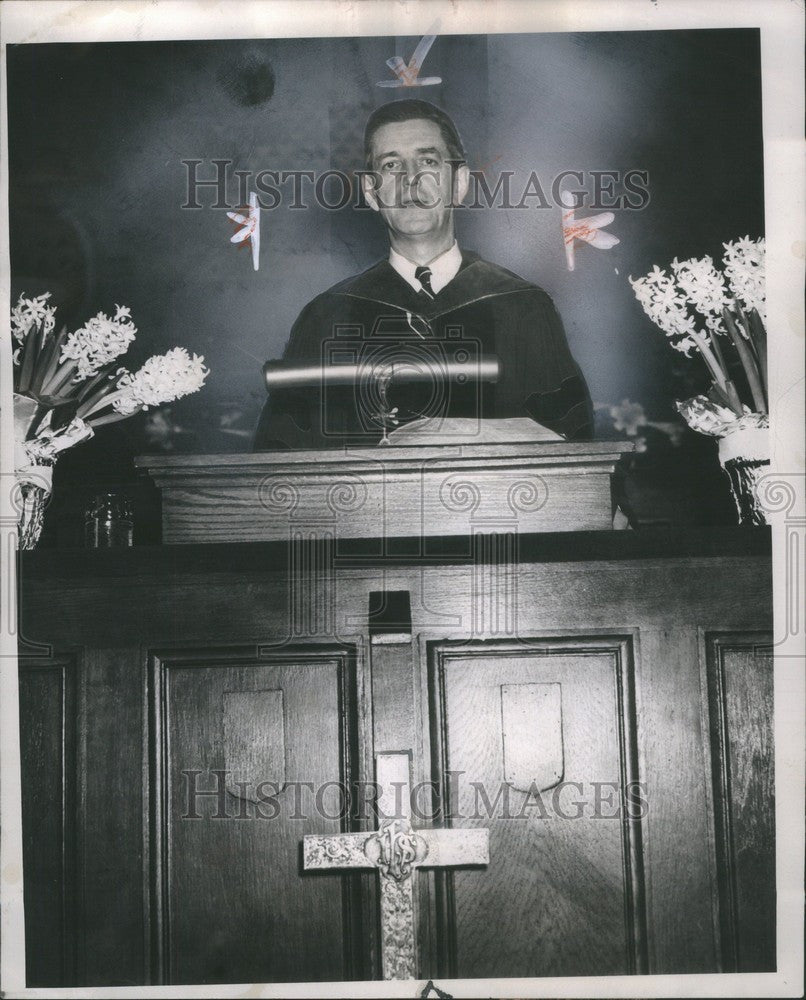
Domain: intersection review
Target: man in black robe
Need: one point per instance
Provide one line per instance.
(429, 302)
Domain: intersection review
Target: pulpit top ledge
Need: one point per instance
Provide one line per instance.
(401, 491)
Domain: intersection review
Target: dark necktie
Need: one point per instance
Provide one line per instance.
(423, 275)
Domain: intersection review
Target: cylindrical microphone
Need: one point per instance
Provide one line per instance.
(297, 375)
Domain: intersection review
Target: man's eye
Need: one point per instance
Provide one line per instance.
(429, 161)
(389, 166)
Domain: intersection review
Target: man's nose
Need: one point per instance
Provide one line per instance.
(407, 176)
(409, 179)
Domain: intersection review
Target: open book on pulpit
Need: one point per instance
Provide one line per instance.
(468, 431)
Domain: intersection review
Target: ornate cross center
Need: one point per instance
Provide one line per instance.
(396, 850)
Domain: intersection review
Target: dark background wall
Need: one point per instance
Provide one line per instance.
(98, 132)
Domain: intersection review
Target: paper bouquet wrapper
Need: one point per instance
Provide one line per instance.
(34, 457)
(748, 443)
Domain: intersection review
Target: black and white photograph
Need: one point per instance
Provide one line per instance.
(403, 508)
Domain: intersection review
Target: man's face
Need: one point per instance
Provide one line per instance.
(414, 183)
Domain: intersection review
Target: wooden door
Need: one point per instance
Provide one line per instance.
(539, 745)
(241, 745)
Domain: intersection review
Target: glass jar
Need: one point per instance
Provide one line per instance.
(109, 522)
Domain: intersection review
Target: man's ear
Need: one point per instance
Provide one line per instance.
(370, 182)
(461, 182)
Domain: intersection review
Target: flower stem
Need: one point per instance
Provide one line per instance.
(48, 362)
(746, 358)
(730, 389)
(28, 360)
(107, 418)
(743, 326)
(98, 401)
(60, 376)
(39, 416)
(708, 356)
(760, 342)
(91, 385)
(714, 343)
(102, 394)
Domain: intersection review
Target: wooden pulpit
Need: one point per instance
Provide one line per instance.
(406, 491)
(576, 724)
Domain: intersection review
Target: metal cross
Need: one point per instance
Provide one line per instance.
(396, 850)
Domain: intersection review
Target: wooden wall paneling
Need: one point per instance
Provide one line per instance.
(49, 818)
(205, 594)
(680, 875)
(394, 730)
(393, 697)
(683, 880)
(436, 942)
(607, 595)
(367, 951)
(390, 644)
(568, 895)
(228, 898)
(575, 577)
(395, 727)
(398, 713)
(112, 861)
(739, 681)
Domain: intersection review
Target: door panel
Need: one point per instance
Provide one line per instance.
(537, 729)
(233, 904)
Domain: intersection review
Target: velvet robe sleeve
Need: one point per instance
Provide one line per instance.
(289, 416)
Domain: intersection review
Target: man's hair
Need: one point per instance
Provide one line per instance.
(409, 110)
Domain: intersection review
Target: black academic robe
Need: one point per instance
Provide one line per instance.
(376, 315)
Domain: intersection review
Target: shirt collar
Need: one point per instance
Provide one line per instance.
(443, 269)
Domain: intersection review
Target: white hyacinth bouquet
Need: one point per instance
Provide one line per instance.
(721, 316)
(68, 384)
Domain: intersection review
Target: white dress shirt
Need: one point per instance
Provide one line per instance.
(443, 268)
